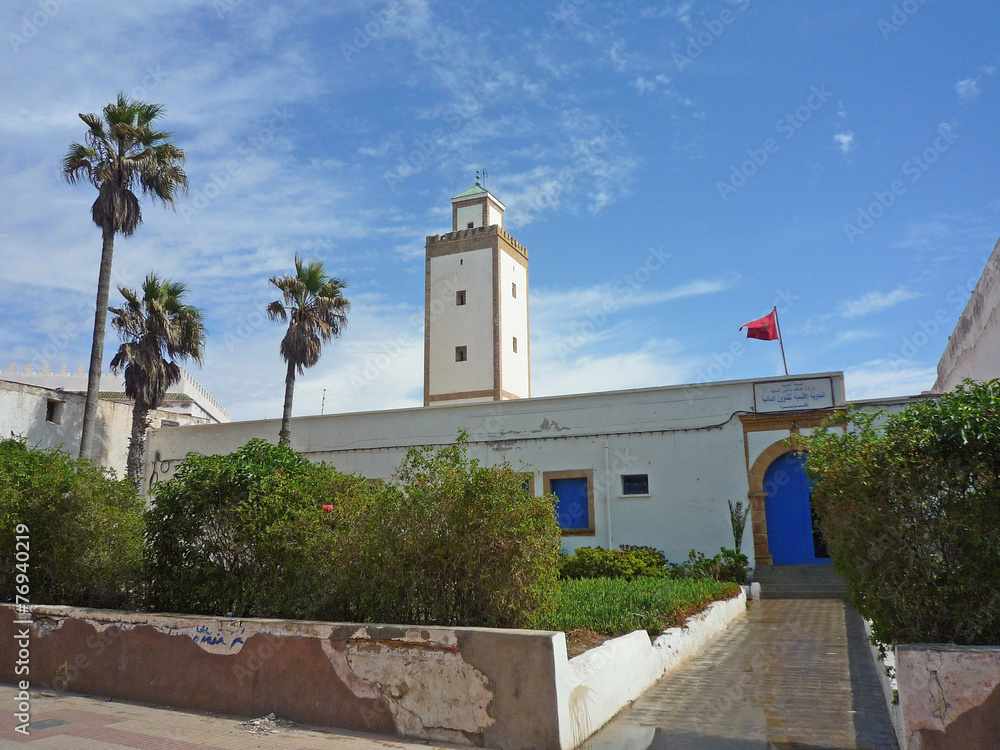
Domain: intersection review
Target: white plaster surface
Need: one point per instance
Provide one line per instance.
(888, 685)
(939, 683)
(513, 323)
(469, 325)
(465, 214)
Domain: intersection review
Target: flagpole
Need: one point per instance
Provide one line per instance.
(780, 340)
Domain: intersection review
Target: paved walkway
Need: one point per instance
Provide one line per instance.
(68, 722)
(794, 675)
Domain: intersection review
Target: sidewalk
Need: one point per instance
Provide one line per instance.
(69, 722)
(795, 674)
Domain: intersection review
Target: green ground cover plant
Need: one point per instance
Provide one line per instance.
(909, 504)
(615, 607)
(631, 562)
(84, 528)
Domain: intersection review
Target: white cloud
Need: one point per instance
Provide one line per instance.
(845, 142)
(968, 89)
(881, 378)
(683, 14)
(875, 301)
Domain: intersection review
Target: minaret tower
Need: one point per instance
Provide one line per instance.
(476, 307)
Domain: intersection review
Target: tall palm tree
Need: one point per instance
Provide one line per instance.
(122, 151)
(157, 329)
(316, 310)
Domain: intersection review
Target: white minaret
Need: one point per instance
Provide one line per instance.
(476, 307)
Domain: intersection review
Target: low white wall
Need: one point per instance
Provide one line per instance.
(596, 685)
(888, 684)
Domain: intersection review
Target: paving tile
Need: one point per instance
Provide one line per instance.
(794, 674)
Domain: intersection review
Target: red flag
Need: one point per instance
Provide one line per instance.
(765, 329)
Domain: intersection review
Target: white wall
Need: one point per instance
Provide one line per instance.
(23, 412)
(688, 439)
(465, 214)
(495, 215)
(469, 325)
(514, 322)
(973, 349)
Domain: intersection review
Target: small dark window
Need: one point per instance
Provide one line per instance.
(460, 297)
(460, 261)
(635, 484)
(515, 345)
(470, 225)
(513, 290)
(53, 411)
(461, 353)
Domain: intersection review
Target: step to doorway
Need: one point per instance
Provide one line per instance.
(800, 582)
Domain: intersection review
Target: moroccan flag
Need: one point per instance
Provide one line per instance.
(765, 329)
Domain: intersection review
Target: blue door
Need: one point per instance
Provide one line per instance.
(793, 536)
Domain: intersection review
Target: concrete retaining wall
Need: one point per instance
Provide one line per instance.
(505, 689)
(949, 696)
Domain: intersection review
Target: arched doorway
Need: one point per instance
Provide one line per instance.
(792, 532)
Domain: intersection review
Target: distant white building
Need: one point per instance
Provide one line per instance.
(653, 466)
(46, 408)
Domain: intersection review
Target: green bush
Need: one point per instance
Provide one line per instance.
(449, 542)
(909, 505)
(629, 562)
(615, 607)
(728, 565)
(85, 529)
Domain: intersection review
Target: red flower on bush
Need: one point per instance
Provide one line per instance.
(328, 508)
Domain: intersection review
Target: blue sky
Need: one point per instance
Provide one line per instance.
(673, 169)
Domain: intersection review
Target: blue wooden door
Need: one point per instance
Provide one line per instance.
(793, 536)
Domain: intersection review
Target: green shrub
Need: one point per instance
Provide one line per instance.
(449, 542)
(629, 562)
(85, 529)
(615, 607)
(728, 565)
(212, 545)
(909, 505)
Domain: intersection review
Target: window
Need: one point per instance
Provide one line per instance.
(635, 484)
(515, 345)
(460, 297)
(574, 491)
(53, 411)
(513, 290)
(470, 225)
(461, 353)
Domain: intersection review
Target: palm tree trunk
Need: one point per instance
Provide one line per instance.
(136, 463)
(97, 347)
(285, 435)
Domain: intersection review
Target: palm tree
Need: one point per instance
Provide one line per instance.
(122, 151)
(316, 310)
(156, 329)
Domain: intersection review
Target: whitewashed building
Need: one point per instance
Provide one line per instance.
(652, 466)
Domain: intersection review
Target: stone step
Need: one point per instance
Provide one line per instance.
(800, 582)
